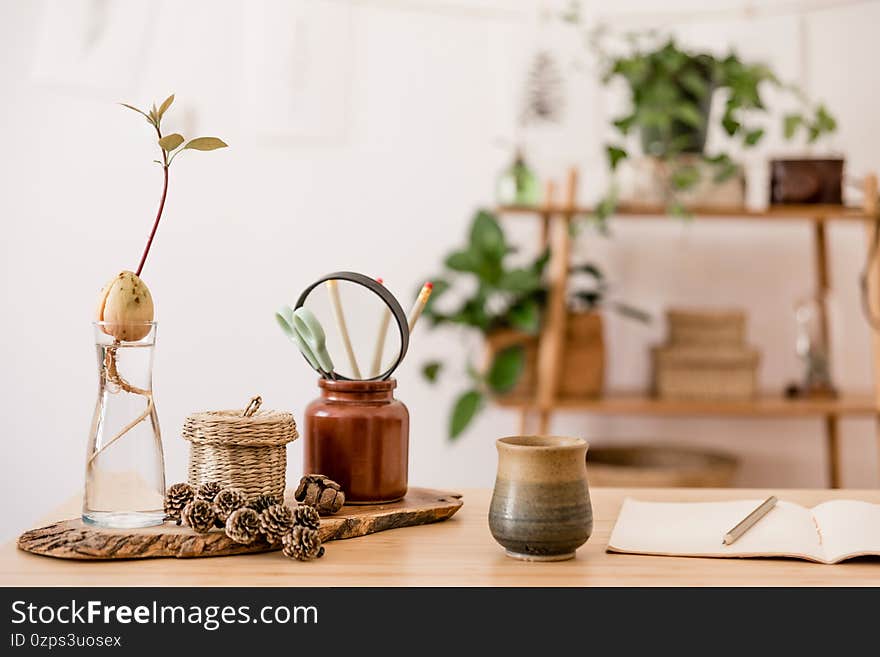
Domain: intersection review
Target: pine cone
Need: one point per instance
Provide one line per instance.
(260, 503)
(320, 492)
(302, 544)
(243, 525)
(276, 521)
(228, 500)
(306, 516)
(177, 497)
(199, 515)
(208, 491)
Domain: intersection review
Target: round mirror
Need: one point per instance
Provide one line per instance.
(365, 328)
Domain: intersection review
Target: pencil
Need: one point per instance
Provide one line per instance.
(333, 289)
(419, 305)
(750, 520)
(380, 339)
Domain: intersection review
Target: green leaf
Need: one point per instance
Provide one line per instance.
(487, 236)
(205, 144)
(541, 262)
(791, 123)
(824, 121)
(506, 369)
(625, 124)
(688, 113)
(694, 83)
(431, 370)
(170, 142)
(615, 155)
(730, 124)
(463, 261)
(519, 280)
(753, 136)
(463, 412)
(165, 105)
(525, 315)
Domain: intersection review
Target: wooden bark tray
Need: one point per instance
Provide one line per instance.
(71, 539)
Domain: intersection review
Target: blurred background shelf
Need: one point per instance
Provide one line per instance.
(765, 406)
(556, 217)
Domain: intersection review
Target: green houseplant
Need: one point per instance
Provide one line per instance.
(496, 296)
(671, 91)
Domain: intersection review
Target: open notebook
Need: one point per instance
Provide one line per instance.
(827, 533)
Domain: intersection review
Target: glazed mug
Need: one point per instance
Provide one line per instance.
(540, 508)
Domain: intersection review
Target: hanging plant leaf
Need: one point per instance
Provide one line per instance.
(753, 136)
(170, 142)
(431, 370)
(730, 124)
(625, 123)
(615, 155)
(464, 411)
(205, 144)
(506, 369)
(791, 123)
(685, 177)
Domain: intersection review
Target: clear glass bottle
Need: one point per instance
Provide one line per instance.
(518, 185)
(125, 466)
(813, 346)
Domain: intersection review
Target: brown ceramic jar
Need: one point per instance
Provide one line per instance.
(357, 434)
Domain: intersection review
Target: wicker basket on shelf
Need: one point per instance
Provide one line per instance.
(710, 328)
(246, 449)
(704, 374)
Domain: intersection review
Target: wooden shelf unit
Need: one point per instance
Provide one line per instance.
(556, 219)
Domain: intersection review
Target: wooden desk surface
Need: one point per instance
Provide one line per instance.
(461, 552)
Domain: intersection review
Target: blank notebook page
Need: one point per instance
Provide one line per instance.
(849, 528)
(698, 529)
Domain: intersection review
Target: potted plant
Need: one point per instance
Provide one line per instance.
(671, 91)
(504, 304)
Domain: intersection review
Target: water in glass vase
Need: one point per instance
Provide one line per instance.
(125, 466)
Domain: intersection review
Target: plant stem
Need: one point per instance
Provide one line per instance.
(161, 207)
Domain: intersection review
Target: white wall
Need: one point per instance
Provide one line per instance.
(245, 229)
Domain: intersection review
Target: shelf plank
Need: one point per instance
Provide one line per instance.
(765, 406)
(816, 213)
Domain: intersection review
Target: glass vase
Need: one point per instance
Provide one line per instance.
(125, 466)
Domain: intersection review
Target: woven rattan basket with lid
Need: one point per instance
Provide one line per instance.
(246, 449)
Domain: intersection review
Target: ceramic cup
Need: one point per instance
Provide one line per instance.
(540, 507)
